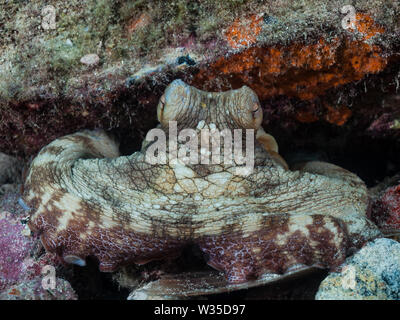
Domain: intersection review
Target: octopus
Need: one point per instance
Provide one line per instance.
(85, 199)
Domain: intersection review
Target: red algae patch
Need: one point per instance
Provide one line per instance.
(338, 116)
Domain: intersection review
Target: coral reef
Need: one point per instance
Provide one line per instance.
(328, 89)
(373, 273)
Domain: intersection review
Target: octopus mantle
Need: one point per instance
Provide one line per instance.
(87, 200)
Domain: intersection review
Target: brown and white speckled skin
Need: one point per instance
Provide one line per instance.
(86, 200)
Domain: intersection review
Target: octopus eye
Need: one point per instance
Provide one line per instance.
(256, 115)
(162, 101)
(256, 110)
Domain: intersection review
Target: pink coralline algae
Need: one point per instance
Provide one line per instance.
(14, 250)
(20, 266)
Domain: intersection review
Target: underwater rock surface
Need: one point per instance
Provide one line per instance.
(14, 249)
(373, 273)
(304, 65)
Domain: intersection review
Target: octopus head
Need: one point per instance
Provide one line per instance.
(188, 106)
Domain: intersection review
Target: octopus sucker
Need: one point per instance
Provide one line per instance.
(86, 199)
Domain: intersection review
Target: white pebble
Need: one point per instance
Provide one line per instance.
(90, 59)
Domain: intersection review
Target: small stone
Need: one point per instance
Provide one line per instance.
(90, 59)
(373, 273)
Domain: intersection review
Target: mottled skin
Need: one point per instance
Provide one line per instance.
(88, 200)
